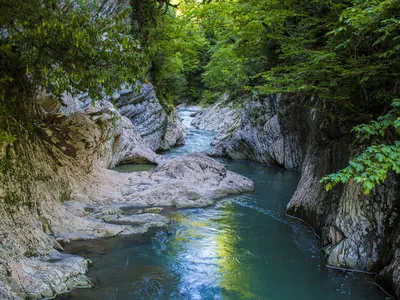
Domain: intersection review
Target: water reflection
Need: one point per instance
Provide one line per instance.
(207, 254)
(236, 250)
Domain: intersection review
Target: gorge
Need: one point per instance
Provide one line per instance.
(233, 250)
(164, 150)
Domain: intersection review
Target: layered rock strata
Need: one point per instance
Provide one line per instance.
(159, 129)
(253, 131)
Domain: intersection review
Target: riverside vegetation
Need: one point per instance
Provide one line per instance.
(89, 84)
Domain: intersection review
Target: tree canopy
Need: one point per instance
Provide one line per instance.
(342, 51)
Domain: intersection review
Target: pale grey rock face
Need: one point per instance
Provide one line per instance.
(101, 123)
(142, 111)
(252, 132)
(219, 117)
(192, 181)
(147, 219)
(161, 131)
(357, 231)
(107, 213)
(54, 274)
(114, 215)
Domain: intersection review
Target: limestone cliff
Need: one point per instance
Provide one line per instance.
(159, 129)
(51, 160)
(219, 117)
(253, 132)
(59, 163)
(357, 231)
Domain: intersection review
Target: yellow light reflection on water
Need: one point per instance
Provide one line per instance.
(236, 278)
(212, 255)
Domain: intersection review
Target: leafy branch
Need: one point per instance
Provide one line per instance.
(372, 166)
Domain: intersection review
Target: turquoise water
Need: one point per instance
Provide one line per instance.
(242, 248)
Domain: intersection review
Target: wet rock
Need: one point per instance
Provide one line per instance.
(47, 276)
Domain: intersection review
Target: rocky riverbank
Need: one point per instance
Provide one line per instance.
(358, 232)
(59, 174)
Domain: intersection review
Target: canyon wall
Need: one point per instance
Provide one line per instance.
(58, 165)
(358, 231)
(159, 129)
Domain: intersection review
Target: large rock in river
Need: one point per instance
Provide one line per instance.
(191, 181)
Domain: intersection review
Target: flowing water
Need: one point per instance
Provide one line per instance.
(242, 248)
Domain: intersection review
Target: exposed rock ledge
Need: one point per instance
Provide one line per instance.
(357, 231)
(70, 161)
(252, 132)
(219, 117)
(159, 129)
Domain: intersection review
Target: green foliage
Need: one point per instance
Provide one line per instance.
(89, 46)
(175, 54)
(64, 46)
(340, 50)
(7, 139)
(369, 169)
(372, 166)
(343, 51)
(224, 71)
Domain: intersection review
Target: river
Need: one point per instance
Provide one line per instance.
(242, 248)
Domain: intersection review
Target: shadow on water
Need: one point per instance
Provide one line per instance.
(242, 248)
(130, 168)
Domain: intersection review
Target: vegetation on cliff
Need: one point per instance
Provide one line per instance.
(343, 51)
